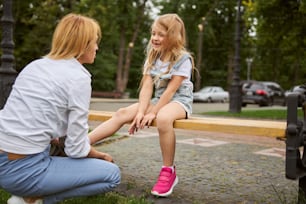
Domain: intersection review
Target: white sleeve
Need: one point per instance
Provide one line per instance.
(77, 143)
(184, 69)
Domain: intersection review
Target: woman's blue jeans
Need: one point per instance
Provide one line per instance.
(57, 178)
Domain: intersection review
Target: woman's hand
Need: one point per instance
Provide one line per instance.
(55, 141)
(106, 157)
(93, 153)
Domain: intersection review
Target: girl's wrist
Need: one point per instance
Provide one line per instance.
(153, 111)
(141, 112)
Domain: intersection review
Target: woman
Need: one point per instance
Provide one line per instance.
(50, 99)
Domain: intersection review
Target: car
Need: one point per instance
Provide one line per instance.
(211, 94)
(300, 90)
(278, 94)
(262, 93)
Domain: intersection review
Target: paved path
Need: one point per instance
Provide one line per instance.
(212, 168)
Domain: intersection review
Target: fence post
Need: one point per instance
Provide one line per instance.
(7, 71)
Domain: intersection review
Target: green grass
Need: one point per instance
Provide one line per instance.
(109, 198)
(267, 114)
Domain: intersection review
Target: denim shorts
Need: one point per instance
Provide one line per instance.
(183, 96)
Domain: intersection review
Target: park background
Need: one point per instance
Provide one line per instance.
(271, 38)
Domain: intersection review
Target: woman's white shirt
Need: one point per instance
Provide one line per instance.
(50, 99)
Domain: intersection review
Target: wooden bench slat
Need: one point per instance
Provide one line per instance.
(224, 125)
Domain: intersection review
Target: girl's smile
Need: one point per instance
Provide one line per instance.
(158, 35)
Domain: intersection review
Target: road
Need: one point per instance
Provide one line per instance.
(114, 104)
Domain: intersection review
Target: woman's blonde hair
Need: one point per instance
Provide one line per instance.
(175, 41)
(73, 35)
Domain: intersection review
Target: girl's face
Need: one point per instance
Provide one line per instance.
(158, 37)
(90, 54)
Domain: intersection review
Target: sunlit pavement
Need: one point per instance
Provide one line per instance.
(212, 167)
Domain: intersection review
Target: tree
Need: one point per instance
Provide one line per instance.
(123, 25)
(125, 63)
(273, 35)
(280, 41)
(36, 20)
(215, 63)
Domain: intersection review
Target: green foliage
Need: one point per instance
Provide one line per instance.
(109, 198)
(277, 45)
(4, 196)
(218, 35)
(281, 41)
(103, 71)
(35, 21)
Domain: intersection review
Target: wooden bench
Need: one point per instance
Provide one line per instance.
(213, 124)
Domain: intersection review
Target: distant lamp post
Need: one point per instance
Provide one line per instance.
(199, 56)
(235, 91)
(249, 61)
(7, 71)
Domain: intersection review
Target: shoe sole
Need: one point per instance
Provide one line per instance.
(167, 193)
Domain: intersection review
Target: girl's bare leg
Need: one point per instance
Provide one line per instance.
(109, 127)
(165, 119)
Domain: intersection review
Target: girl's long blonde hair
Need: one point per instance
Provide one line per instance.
(72, 36)
(175, 42)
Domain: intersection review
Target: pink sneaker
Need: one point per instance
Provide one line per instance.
(165, 183)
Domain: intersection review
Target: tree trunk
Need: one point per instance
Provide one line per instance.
(201, 27)
(199, 58)
(119, 80)
(124, 72)
(235, 92)
(230, 68)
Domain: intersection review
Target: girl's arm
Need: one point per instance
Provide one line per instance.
(145, 96)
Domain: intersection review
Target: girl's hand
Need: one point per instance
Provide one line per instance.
(132, 129)
(135, 125)
(147, 120)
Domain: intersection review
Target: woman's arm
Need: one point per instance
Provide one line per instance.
(77, 144)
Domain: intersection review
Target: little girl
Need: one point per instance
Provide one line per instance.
(167, 71)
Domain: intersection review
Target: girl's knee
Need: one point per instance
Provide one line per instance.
(120, 112)
(123, 114)
(164, 122)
